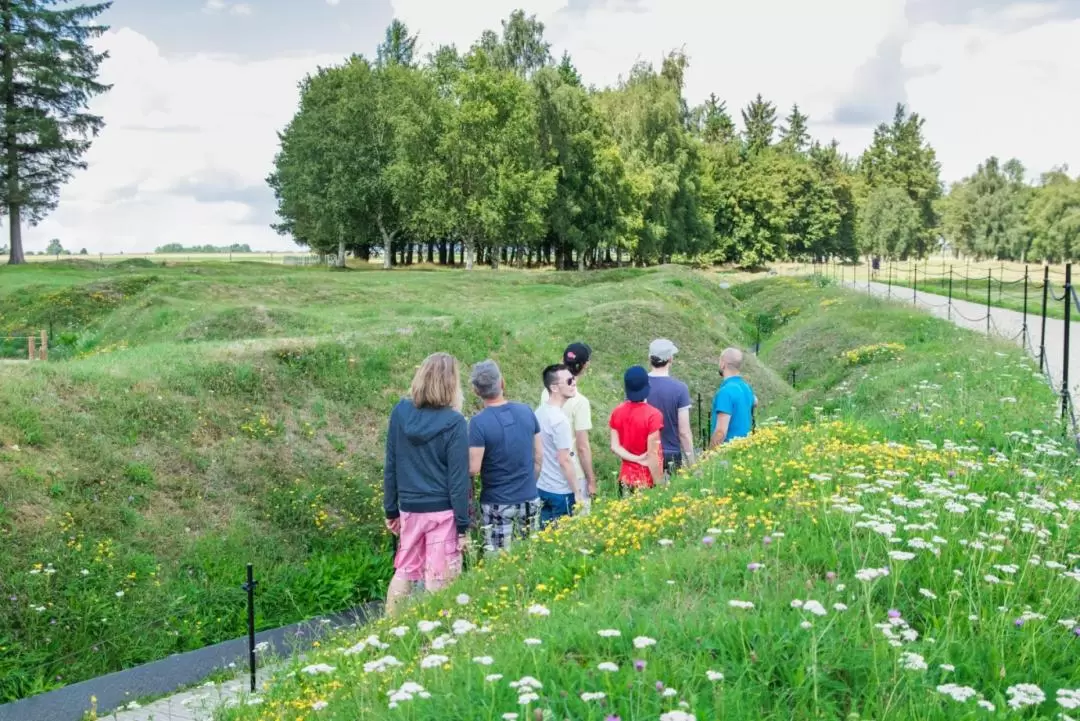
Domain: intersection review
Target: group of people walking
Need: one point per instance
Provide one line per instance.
(535, 465)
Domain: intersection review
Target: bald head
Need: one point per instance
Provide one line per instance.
(731, 361)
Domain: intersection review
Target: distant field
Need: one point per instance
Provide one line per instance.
(275, 257)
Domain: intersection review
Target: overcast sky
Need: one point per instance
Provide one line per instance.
(201, 87)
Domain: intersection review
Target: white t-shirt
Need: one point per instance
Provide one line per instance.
(555, 436)
(579, 411)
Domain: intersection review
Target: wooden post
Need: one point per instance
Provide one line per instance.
(31, 351)
(44, 350)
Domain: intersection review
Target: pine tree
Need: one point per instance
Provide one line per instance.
(759, 122)
(398, 47)
(795, 135)
(48, 74)
(712, 121)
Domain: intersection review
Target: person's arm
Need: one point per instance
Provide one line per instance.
(390, 491)
(476, 448)
(564, 440)
(538, 455)
(457, 471)
(686, 438)
(652, 458)
(583, 424)
(476, 460)
(722, 421)
(723, 407)
(618, 450)
(568, 471)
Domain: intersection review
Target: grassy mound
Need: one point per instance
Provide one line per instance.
(892, 565)
(215, 414)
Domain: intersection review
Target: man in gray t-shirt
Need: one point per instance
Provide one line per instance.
(557, 482)
(672, 398)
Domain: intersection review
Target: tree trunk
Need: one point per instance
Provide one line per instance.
(467, 250)
(496, 254)
(341, 251)
(409, 253)
(15, 253)
(364, 253)
(431, 252)
(618, 255)
(442, 252)
(388, 243)
(16, 256)
(581, 261)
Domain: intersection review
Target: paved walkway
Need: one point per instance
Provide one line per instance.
(196, 704)
(1003, 322)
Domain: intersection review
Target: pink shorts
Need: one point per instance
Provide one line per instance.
(428, 548)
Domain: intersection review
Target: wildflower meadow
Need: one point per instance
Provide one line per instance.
(807, 572)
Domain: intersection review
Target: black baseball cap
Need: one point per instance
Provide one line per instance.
(577, 354)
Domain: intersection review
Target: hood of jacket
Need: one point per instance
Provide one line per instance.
(420, 425)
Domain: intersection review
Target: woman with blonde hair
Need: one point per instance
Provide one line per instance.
(426, 479)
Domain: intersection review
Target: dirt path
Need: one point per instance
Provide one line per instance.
(1009, 324)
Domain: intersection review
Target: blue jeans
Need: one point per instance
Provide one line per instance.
(555, 506)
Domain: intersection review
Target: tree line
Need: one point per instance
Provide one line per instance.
(179, 248)
(502, 154)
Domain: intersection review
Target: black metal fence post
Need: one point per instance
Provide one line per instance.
(250, 588)
(915, 287)
(1042, 334)
(1001, 281)
(950, 292)
(1065, 354)
(1024, 328)
(989, 281)
(700, 427)
(793, 378)
(888, 291)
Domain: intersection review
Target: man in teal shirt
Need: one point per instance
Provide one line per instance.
(733, 404)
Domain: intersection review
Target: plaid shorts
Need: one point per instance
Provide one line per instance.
(502, 522)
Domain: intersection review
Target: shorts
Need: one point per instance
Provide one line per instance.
(554, 506)
(428, 548)
(503, 522)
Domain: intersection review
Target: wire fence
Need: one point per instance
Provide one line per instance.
(1009, 299)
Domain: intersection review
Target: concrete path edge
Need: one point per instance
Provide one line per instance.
(175, 672)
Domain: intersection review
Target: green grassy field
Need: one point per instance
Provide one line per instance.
(899, 542)
(194, 418)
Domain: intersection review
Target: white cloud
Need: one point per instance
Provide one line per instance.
(175, 125)
(333, 2)
(217, 6)
(999, 92)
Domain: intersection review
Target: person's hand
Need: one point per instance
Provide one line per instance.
(642, 460)
(394, 525)
(591, 485)
(464, 541)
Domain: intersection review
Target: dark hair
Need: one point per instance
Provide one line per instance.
(551, 375)
(657, 363)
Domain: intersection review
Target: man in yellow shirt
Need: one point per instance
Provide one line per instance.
(579, 411)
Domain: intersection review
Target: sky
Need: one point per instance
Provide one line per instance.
(202, 87)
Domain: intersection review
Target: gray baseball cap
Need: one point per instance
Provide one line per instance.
(662, 349)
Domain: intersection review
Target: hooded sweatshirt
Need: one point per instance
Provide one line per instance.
(427, 463)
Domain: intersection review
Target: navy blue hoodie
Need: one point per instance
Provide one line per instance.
(427, 463)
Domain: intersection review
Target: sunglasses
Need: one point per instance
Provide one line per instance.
(571, 381)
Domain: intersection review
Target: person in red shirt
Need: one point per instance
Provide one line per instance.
(635, 433)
